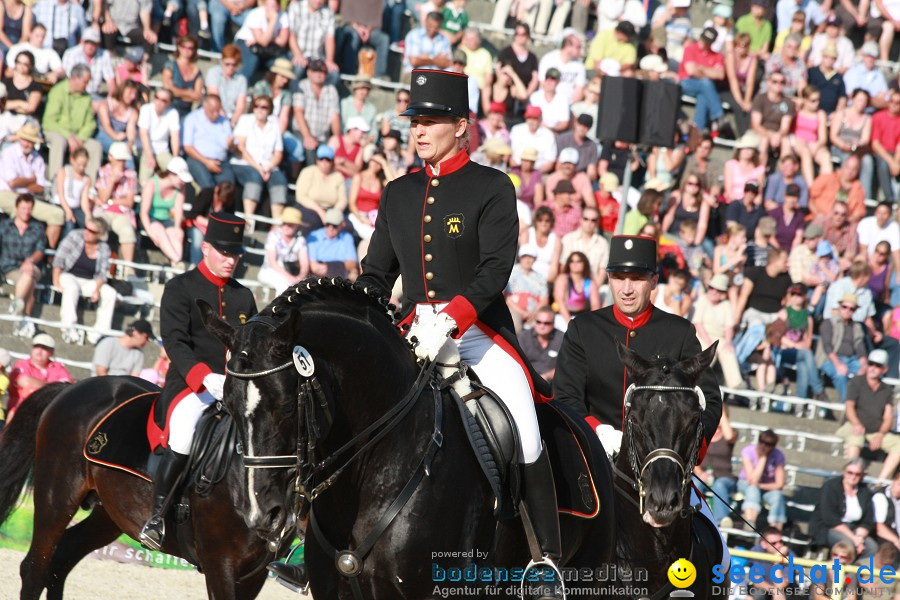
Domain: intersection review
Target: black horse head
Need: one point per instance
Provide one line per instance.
(321, 357)
(662, 432)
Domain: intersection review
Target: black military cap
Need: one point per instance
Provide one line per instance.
(225, 232)
(632, 254)
(438, 93)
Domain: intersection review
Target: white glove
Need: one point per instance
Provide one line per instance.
(611, 440)
(432, 332)
(215, 385)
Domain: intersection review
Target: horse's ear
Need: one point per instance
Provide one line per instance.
(216, 325)
(288, 331)
(634, 363)
(695, 365)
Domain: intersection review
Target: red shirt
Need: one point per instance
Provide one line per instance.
(886, 129)
(701, 55)
(53, 372)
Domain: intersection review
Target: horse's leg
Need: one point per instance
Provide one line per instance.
(96, 531)
(250, 588)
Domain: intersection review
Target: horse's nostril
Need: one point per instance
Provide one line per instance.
(674, 501)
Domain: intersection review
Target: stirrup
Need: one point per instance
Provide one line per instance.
(153, 533)
(546, 561)
(294, 584)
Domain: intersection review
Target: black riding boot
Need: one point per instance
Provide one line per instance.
(294, 577)
(167, 474)
(541, 517)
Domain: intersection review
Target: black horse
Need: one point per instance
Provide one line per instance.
(48, 435)
(324, 385)
(660, 446)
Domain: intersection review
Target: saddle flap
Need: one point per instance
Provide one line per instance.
(119, 439)
(498, 427)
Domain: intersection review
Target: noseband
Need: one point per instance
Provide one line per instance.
(638, 470)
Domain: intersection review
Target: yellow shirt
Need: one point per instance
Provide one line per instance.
(479, 63)
(605, 45)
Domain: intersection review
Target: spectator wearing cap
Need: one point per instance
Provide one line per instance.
(554, 106)
(319, 188)
(578, 140)
(542, 342)
(567, 59)
(532, 134)
(698, 72)
(133, 67)
(758, 27)
(587, 240)
(64, 21)
(869, 415)
(842, 186)
(789, 218)
(97, 59)
(885, 138)
(615, 44)
(744, 167)
(159, 130)
(262, 37)
(316, 110)
(493, 125)
(116, 188)
(674, 19)
(124, 354)
(69, 121)
(713, 318)
(348, 147)
(777, 183)
(426, 47)
(590, 106)
(526, 292)
(357, 104)
(565, 206)
(34, 372)
(80, 270)
(567, 170)
(803, 260)
(724, 26)
(332, 251)
(841, 351)
(226, 81)
(286, 259)
(741, 75)
(837, 43)
(748, 211)
(311, 26)
(531, 188)
(865, 75)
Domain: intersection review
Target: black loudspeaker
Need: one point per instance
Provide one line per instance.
(659, 113)
(620, 109)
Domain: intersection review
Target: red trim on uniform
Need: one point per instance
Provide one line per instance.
(441, 72)
(451, 165)
(212, 277)
(632, 323)
(194, 377)
(422, 234)
(507, 347)
(237, 221)
(155, 435)
(593, 422)
(461, 311)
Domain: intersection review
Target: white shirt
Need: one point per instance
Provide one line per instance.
(845, 51)
(553, 111)
(542, 140)
(869, 233)
(45, 59)
(159, 127)
(256, 19)
(261, 142)
(572, 73)
(880, 504)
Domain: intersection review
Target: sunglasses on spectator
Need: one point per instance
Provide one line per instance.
(94, 231)
(543, 322)
(777, 81)
(840, 213)
(263, 106)
(589, 220)
(853, 473)
(769, 443)
(229, 63)
(848, 307)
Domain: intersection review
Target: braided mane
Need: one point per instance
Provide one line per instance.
(331, 294)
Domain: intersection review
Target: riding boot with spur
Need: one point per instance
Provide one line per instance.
(541, 520)
(167, 474)
(294, 577)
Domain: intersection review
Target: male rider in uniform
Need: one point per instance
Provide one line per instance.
(196, 375)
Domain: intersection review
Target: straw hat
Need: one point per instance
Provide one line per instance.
(30, 132)
(282, 66)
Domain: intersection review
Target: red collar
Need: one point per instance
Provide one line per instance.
(210, 276)
(632, 323)
(452, 164)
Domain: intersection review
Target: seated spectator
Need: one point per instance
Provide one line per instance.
(129, 19)
(774, 583)
(286, 260)
(647, 210)
(18, 18)
(80, 270)
(555, 113)
(885, 138)
(587, 240)
(479, 61)
(663, 164)
(531, 191)
(426, 47)
(851, 133)
(69, 121)
(89, 53)
(777, 183)
(574, 290)
(865, 75)
(226, 81)
(72, 188)
(741, 72)
(762, 479)
(222, 13)
(708, 167)
(829, 81)
(548, 244)
(494, 153)
(743, 168)
(182, 77)
(159, 129)
(348, 147)
(207, 137)
(259, 142)
(855, 282)
(117, 119)
(674, 296)
(889, 587)
(809, 135)
(133, 68)
(886, 509)
(332, 252)
(614, 159)
(690, 203)
(23, 92)
(65, 21)
(526, 291)
(879, 228)
(844, 553)
(748, 211)
(615, 43)
(357, 104)
(832, 37)
(771, 114)
(566, 170)
(30, 374)
(515, 76)
(841, 186)
(763, 289)
(365, 191)
(116, 188)
(316, 111)
(46, 62)
(713, 319)
(870, 415)
(22, 172)
(263, 37)
(789, 218)
(567, 59)
(566, 209)
(840, 233)
(787, 62)
(803, 257)
(763, 241)
(796, 343)
(162, 210)
(844, 512)
(541, 343)
(532, 134)
(730, 257)
(157, 373)
(123, 355)
(5, 364)
(319, 187)
(311, 34)
(698, 72)
(22, 245)
(675, 20)
(841, 352)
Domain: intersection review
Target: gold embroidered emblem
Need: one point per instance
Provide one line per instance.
(97, 443)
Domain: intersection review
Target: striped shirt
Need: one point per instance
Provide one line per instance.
(16, 247)
(317, 111)
(419, 43)
(311, 28)
(100, 66)
(64, 20)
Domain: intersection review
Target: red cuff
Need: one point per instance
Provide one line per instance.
(461, 311)
(195, 376)
(702, 453)
(593, 422)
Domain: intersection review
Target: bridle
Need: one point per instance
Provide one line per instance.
(639, 469)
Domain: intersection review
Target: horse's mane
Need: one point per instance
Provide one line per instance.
(331, 295)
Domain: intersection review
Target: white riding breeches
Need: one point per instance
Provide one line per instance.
(184, 420)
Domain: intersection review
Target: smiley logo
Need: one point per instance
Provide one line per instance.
(682, 573)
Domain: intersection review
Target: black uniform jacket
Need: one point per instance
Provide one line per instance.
(193, 350)
(592, 380)
(454, 238)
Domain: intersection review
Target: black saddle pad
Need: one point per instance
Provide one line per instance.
(573, 451)
(119, 440)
